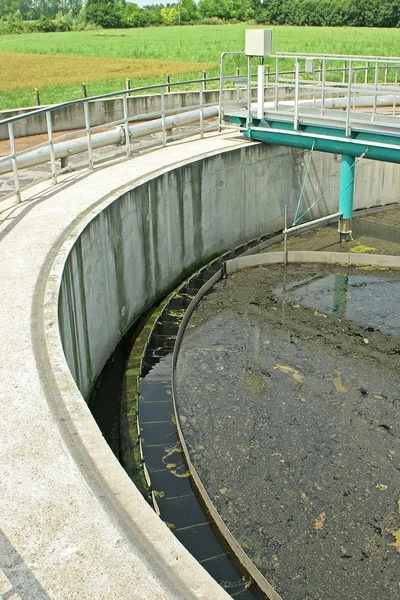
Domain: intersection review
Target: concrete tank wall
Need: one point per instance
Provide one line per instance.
(103, 111)
(144, 242)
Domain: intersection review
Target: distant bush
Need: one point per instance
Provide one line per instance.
(46, 25)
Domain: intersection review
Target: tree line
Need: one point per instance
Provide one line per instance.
(62, 15)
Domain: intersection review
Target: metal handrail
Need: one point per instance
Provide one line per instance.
(319, 84)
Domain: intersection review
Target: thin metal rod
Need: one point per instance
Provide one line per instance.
(126, 120)
(201, 109)
(286, 231)
(221, 88)
(276, 83)
(163, 128)
(296, 97)
(51, 147)
(375, 92)
(348, 111)
(260, 91)
(323, 86)
(88, 133)
(248, 91)
(285, 250)
(14, 161)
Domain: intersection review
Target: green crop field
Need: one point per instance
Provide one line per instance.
(180, 45)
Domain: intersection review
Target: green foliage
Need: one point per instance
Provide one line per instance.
(106, 13)
(169, 16)
(45, 25)
(120, 13)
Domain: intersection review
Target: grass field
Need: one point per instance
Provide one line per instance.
(183, 46)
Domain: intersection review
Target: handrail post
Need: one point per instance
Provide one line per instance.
(248, 91)
(348, 126)
(296, 96)
(163, 129)
(201, 109)
(373, 118)
(126, 122)
(17, 186)
(276, 100)
(354, 88)
(323, 86)
(260, 91)
(88, 133)
(221, 87)
(51, 146)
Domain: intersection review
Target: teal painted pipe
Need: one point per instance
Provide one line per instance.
(349, 146)
(347, 173)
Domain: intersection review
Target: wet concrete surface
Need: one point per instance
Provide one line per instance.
(291, 414)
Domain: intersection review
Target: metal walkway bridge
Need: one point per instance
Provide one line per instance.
(347, 105)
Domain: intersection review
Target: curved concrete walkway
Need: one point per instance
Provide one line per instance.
(73, 524)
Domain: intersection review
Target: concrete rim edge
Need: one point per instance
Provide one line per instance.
(75, 422)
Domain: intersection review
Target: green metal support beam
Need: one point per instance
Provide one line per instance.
(346, 196)
(328, 142)
(374, 146)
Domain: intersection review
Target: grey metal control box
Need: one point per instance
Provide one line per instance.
(258, 42)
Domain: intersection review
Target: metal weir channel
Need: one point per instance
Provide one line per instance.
(177, 492)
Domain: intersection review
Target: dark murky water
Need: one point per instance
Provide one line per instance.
(290, 405)
(365, 299)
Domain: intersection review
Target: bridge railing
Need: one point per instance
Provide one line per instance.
(329, 86)
(300, 84)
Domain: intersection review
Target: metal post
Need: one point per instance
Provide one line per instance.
(375, 91)
(320, 71)
(201, 110)
(396, 75)
(168, 81)
(344, 71)
(285, 250)
(348, 126)
(267, 73)
(126, 122)
(88, 133)
(276, 83)
(366, 72)
(296, 96)
(248, 91)
(221, 88)
(260, 91)
(323, 86)
(163, 128)
(347, 176)
(386, 72)
(14, 161)
(51, 146)
(37, 97)
(127, 84)
(84, 90)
